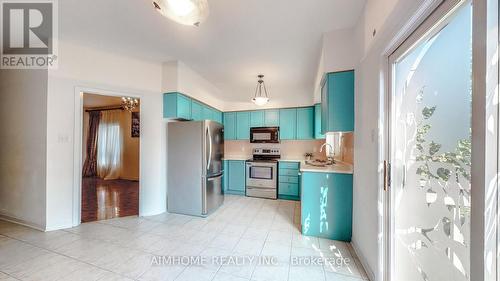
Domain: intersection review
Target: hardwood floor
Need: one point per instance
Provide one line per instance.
(106, 199)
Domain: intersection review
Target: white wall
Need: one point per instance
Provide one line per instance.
(339, 52)
(88, 68)
(23, 111)
(178, 77)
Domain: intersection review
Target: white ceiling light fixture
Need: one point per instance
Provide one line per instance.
(260, 98)
(187, 12)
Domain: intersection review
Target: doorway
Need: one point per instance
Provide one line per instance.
(110, 157)
(430, 109)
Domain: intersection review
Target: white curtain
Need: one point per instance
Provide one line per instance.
(109, 145)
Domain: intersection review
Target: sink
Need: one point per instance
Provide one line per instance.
(319, 163)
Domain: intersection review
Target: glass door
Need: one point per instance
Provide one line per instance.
(430, 149)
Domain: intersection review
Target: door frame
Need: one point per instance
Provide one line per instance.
(485, 59)
(78, 145)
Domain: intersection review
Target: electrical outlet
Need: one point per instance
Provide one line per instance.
(63, 139)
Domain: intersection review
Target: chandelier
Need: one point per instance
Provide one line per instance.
(187, 12)
(129, 103)
(260, 98)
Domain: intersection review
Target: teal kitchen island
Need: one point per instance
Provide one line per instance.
(326, 201)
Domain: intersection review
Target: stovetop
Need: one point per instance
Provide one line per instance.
(262, 160)
(265, 155)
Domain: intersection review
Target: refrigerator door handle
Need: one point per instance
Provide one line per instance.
(209, 148)
(214, 178)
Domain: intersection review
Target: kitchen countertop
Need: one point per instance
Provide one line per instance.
(339, 168)
(237, 157)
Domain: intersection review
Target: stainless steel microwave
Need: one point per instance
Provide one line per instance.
(265, 135)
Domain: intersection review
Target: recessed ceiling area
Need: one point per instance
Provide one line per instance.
(239, 40)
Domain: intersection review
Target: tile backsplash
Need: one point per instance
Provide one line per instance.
(295, 149)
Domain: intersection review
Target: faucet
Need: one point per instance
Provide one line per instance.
(330, 155)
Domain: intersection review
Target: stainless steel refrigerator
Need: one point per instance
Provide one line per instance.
(194, 150)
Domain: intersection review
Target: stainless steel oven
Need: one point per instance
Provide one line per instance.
(264, 135)
(262, 173)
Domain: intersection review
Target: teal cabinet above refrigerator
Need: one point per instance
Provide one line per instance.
(176, 106)
(180, 106)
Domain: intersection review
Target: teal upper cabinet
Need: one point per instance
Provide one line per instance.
(271, 117)
(257, 118)
(217, 115)
(176, 105)
(326, 203)
(179, 106)
(317, 122)
(230, 125)
(305, 123)
(337, 101)
(288, 123)
(243, 125)
(207, 113)
(196, 110)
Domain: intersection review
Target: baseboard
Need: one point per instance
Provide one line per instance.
(364, 262)
(242, 193)
(151, 213)
(288, 197)
(22, 222)
(52, 228)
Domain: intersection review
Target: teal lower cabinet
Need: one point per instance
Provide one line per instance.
(326, 202)
(234, 177)
(225, 165)
(288, 184)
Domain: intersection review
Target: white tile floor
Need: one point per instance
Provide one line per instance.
(122, 249)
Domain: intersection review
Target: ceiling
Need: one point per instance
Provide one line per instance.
(240, 39)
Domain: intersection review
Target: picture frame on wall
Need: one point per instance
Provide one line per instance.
(136, 125)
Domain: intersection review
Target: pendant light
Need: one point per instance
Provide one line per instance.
(187, 12)
(259, 97)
